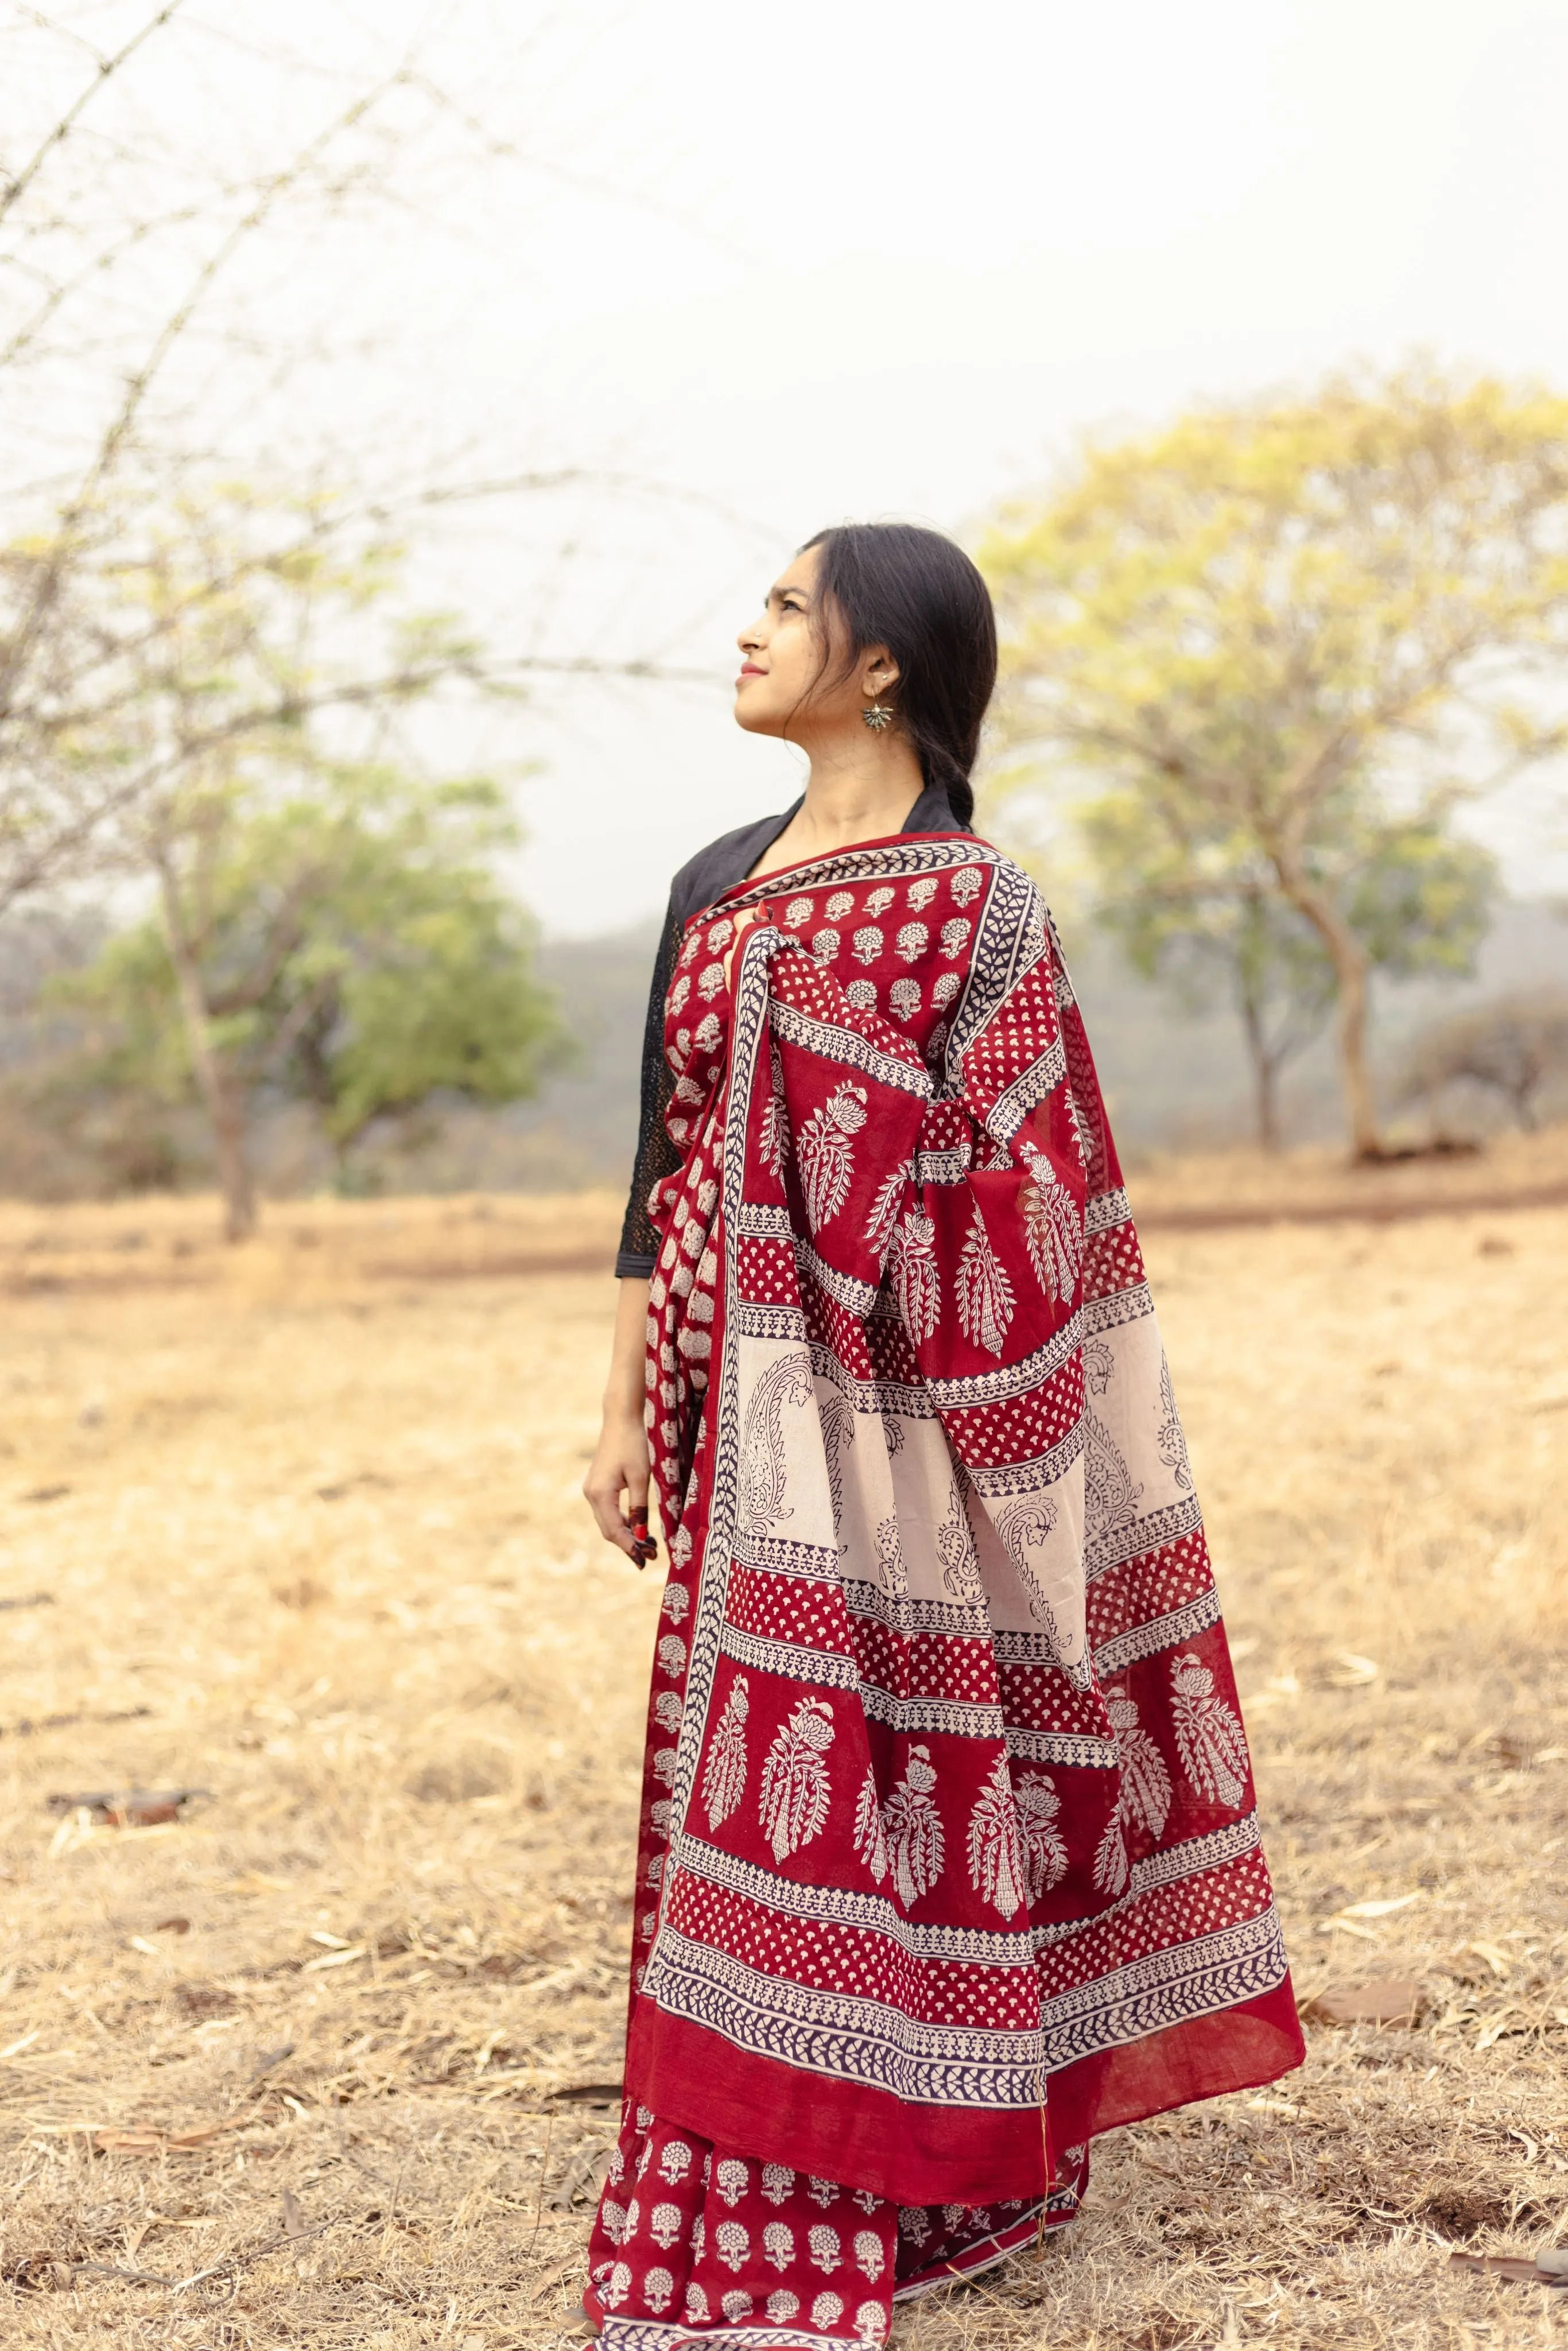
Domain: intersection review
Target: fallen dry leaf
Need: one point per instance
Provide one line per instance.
(1550, 2269)
(1383, 1908)
(1387, 2000)
(135, 1808)
(146, 2138)
(1346, 1670)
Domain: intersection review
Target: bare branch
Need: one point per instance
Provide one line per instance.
(565, 477)
(140, 383)
(107, 67)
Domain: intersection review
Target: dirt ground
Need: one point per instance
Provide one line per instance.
(297, 1529)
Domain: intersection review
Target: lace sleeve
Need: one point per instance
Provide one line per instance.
(656, 1154)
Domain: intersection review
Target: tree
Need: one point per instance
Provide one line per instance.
(1419, 903)
(325, 923)
(153, 304)
(1243, 945)
(1513, 1046)
(112, 246)
(343, 943)
(1278, 639)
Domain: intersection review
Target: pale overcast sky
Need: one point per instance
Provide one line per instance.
(835, 260)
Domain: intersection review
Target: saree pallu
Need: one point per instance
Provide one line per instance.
(949, 1854)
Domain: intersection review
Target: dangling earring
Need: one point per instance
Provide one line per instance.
(877, 716)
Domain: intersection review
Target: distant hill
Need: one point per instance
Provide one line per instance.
(1175, 1081)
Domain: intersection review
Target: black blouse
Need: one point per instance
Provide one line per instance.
(700, 880)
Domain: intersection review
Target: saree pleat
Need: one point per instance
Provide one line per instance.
(949, 1856)
(692, 2236)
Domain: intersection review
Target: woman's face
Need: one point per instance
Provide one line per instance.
(791, 677)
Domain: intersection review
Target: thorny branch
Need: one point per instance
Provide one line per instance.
(199, 2277)
(66, 543)
(107, 67)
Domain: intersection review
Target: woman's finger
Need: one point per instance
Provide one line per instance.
(603, 1490)
(643, 1547)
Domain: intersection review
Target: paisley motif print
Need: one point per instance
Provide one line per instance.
(763, 1482)
(1112, 1494)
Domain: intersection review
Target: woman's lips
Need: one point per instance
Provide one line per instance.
(750, 669)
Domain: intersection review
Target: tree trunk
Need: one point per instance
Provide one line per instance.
(1265, 1075)
(1351, 969)
(223, 1098)
(228, 1114)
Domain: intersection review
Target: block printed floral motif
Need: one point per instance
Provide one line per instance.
(995, 1864)
(795, 1788)
(916, 1282)
(1144, 1797)
(1053, 1229)
(824, 1152)
(985, 1299)
(1209, 1737)
(869, 1836)
(724, 1775)
(913, 1826)
(1044, 1847)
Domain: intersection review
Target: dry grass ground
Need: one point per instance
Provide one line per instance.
(309, 1524)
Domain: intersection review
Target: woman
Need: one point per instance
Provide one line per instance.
(948, 1854)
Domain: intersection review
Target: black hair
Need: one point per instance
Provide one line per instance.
(917, 593)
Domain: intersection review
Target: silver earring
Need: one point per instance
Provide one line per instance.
(877, 716)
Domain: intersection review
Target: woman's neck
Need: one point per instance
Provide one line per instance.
(854, 792)
(858, 792)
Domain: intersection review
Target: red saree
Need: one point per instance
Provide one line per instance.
(950, 1858)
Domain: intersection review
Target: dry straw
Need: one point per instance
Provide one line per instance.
(286, 2068)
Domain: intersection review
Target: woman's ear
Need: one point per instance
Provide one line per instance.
(879, 672)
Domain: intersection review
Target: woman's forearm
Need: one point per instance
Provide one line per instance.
(623, 1390)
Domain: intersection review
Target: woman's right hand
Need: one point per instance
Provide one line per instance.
(616, 1486)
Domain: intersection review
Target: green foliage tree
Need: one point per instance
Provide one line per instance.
(326, 924)
(1514, 1045)
(1266, 644)
(1417, 902)
(350, 948)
